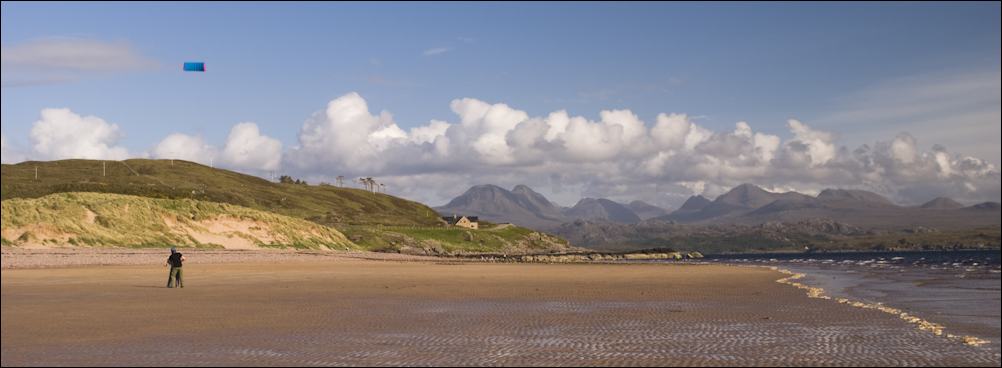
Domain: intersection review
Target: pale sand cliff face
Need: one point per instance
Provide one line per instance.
(335, 311)
(225, 231)
(229, 233)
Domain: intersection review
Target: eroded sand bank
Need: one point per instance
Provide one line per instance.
(342, 311)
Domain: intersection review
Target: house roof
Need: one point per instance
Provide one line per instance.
(452, 220)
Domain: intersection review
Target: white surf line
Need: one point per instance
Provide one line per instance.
(819, 293)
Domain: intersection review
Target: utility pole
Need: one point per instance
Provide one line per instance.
(104, 168)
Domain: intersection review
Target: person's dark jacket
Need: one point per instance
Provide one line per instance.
(175, 260)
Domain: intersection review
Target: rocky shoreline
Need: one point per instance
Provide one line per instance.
(590, 257)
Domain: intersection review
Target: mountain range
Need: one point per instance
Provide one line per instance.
(751, 205)
(745, 204)
(525, 207)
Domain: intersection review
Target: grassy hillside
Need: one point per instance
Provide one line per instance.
(371, 221)
(162, 179)
(96, 219)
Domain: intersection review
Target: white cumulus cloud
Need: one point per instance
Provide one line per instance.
(63, 134)
(247, 149)
(185, 147)
(346, 136)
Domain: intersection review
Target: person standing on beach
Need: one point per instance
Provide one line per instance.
(175, 261)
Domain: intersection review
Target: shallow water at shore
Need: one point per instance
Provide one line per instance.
(959, 290)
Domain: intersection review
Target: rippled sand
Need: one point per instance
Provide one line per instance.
(359, 312)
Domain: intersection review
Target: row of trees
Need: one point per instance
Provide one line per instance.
(285, 179)
(371, 185)
(368, 183)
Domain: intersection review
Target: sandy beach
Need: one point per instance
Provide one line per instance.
(293, 309)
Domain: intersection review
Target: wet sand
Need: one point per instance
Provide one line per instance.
(343, 311)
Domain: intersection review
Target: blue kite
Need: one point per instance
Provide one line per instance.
(194, 66)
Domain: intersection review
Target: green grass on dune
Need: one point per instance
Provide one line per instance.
(96, 219)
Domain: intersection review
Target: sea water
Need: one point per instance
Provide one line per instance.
(957, 289)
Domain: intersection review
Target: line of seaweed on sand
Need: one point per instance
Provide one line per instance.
(819, 293)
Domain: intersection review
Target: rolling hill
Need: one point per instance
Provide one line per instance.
(181, 179)
(371, 221)
(98, 219)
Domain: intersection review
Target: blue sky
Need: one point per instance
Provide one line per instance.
(836, 67)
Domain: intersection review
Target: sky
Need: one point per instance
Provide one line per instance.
(629, 101)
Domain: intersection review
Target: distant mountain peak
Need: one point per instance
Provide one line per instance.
(942, 203)
(746, 195)
(535, 201)
(602, 209)
(485, 187)
(521, 206)
(853, 195)
(993, 206)
(749, 186)
(748, 189)
(522, 188)
(694, 203)
(646, 210)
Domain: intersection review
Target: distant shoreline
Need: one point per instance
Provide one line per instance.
(851, 251)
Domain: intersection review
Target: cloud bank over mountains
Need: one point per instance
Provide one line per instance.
(618, 156)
